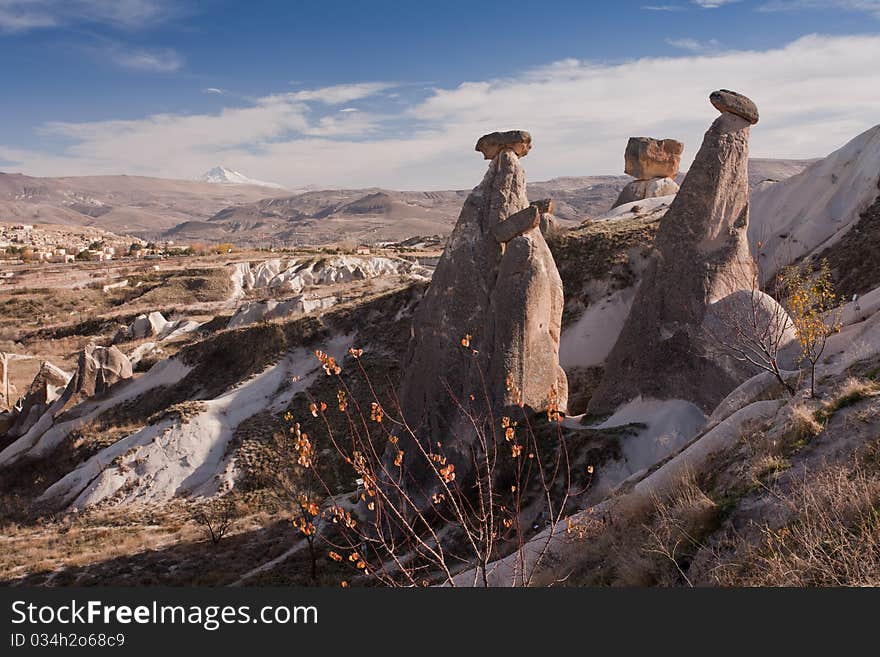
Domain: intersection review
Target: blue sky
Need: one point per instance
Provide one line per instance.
(395, 93)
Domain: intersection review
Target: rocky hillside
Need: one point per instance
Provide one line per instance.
(132, 205)
(152, 412)
(182, 210)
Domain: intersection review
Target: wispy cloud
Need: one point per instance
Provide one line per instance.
(695, 45)
(868, 6)
(21, 20)
(341, 93)
(27, 15)
(580, 114)
(213, 90)
(713, 4)
(663, 8)
(161, 60)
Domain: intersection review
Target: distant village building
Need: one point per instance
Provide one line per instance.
(363, 250)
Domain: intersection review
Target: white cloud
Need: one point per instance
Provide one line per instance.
(705, 4)
(869, 6)
(213, 90)
(25, 15)
(22, 20)
(163, 60)
(814, 95)
(713, 4)
(341, 93)
(694, 45)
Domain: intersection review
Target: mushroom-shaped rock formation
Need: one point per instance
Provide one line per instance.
(701, 256)
(495, 291)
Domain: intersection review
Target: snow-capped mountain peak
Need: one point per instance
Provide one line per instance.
(224, 175)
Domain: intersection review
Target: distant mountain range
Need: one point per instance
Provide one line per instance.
(222, 175)
(227, 206)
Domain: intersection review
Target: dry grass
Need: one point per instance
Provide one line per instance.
(678, 527)
(138, 546)
(31, 308)
(54, 312)
(831, 539)
(646, 541)
(800, 428)
(851, 392)
(78, 540)
(768, 466)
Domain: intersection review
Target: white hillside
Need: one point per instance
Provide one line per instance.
(176, 456)
(814, 208)
(222, 175)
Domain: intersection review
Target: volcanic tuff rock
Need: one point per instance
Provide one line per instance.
(526, 312)
(495, 291)
(647, 158)
(43, 390)
(725, 100)
(653, 163)
(98, 368)
(701, 255)
(639, 190)
(519, 141)
(147, 326)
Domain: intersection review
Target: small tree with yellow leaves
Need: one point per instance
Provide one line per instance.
(811, 302)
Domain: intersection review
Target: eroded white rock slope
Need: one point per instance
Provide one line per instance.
(305, 277)
(296, 274)
(815, 208)
(191, 457)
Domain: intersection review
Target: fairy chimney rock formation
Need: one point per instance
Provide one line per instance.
(654, 164)
(494, 287)
(701, 255)
(45, 388)
(527, 306)
(97, 369)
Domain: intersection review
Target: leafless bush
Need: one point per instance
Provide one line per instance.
(216, 516)
(750, 326)
(410, 529)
